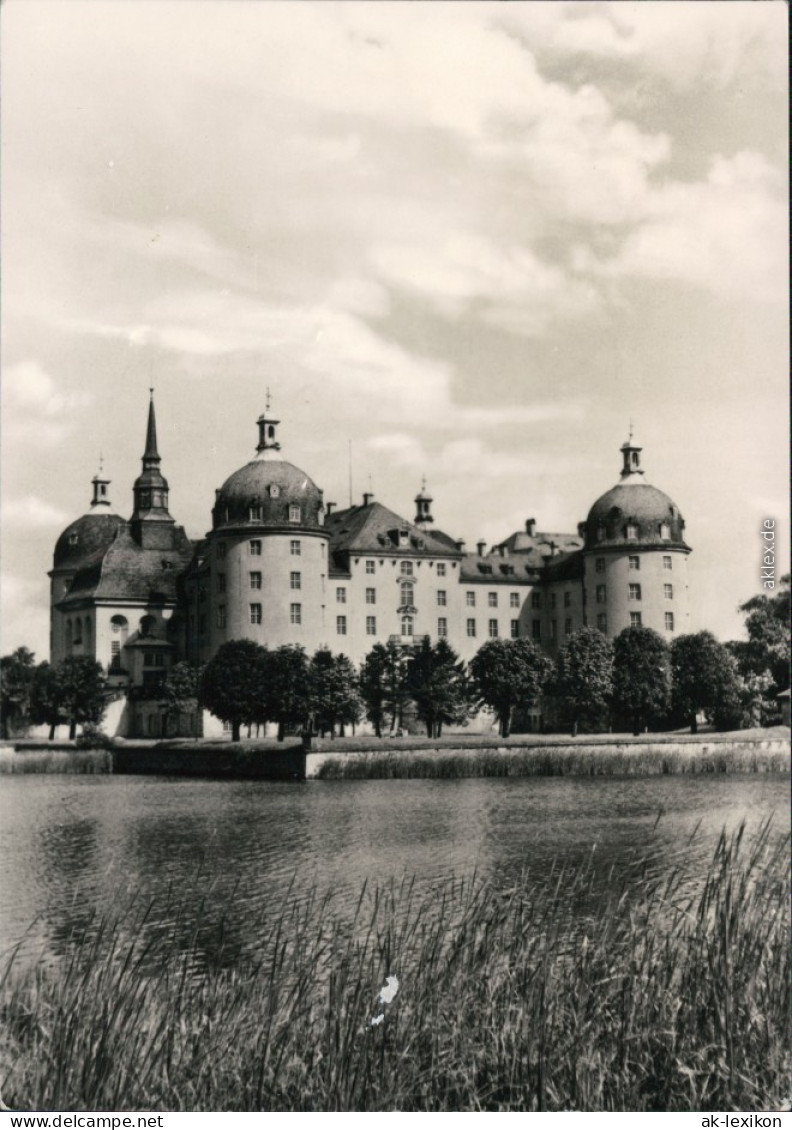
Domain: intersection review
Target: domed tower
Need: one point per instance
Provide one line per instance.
(423, 508)
(79, 552)
(635, 556)
(264, 569)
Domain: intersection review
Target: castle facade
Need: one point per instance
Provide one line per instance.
(281, 566)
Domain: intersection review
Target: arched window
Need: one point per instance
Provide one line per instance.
(407, 625)
(294, 513)
(665, 531)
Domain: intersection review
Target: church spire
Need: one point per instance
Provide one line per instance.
(151, 454)
(150, 490)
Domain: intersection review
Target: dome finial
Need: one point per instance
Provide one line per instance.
(100, 485)
(268, 429)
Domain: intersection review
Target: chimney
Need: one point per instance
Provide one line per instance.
(329, 506)
(368, 498)
(460, 544)
(581, 528)
(481, 546)
(530, 526)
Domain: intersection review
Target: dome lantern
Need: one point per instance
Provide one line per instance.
(268, 432)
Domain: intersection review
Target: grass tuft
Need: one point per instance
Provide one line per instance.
(659, 999)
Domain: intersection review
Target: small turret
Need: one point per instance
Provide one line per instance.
(268, 432)
(100, 484)
(423, 507)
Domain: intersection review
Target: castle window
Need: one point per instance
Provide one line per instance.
(665, 531)
(255, 548)
(295, 548)
(492, 600)
(668, 563)
(632, 531)
(567, 600)
(274, 491)
(441, 596)
(536, 629)
(669, 621)
(255, 513)
(441, 569)
(601, 594)
(295, 613)
(294, 513)
(599, 565)
(635, 620)
(255, 580)
(470, 599)
(471, 628)
(442, 627)
(602, 622)
(635, 561)
(514, 600)
(341, 625)
(115, 655)
(554, 629)
(635, 592)
(221, 549)
(147, 625)
(406, 568)
(221, 616)
(406, 625)
(221, 582)
(341, 595)
(371, 567)
(371, 625)
(78, 631)
(371, 596)
(567, 627)
(536, 600)
(668, 592)
(492, 629)
(74, 539)
(406, 589)
(515, 629)
(255, 614)
(295, 580)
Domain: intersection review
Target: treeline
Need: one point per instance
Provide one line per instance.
(636, 681)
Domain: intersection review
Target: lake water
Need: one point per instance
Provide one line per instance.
(73, 847)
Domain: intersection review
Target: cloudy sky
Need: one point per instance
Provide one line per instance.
(472, 239)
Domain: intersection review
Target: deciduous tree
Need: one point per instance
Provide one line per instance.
(702, 677)
(509, 673)
(16, 683)
(234, 684)
(383, 685)
(45, 704)
(438, 684)
(335, 700)
(289, 688)
(81, 690)
(584, 676)
(179, 691)
(641, 676)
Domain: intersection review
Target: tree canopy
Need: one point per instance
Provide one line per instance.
(16, 684)
(334, 697)
(81, 690)
(703, 678)
(234, 684)
(289, 687)
(509, 673)
(438, 684)
(641, 676)
(584, 675)
(383, 685)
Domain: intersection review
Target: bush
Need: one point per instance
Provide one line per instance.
(93, 737)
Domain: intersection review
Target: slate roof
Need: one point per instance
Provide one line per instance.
(253, 485)
(533, 548)
(125, 571)
(84, 538)
(637, 503)
(497, 568)
(374, 529)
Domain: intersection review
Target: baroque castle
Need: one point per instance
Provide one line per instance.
(281, 566)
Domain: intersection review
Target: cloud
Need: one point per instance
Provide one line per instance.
(32, 512)
(36, 412)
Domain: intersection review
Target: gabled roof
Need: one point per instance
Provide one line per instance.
(375, 529)
(538, 545)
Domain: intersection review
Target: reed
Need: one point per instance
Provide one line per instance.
(660, 999)
(556, 761)
(56, 761)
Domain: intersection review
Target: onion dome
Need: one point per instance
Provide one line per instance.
(268, 491)
(634, 513)
(92, 533)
